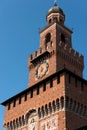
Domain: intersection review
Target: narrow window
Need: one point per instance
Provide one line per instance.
(55, 19)
(48, 38)
(50, 21)
(63, 38)
(61, 20)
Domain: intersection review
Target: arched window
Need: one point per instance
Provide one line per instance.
(55, 19)
(50, 21)
(63, 38)
(47, 38)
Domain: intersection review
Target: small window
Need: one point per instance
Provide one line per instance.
(61, 20)
(48, 38)
(63, 38)
(55, 19)
(50, 21)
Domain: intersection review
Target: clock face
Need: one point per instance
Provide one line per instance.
(41, 69)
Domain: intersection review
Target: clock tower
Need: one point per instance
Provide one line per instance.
(56, 97)
(55, 52)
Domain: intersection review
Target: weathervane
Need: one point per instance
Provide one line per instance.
(55, 1)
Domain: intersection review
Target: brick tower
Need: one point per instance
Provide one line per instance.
(56, 97)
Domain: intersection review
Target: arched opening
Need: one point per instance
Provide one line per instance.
(55, 19)
(30, 113)
(63, 38)
(47, 38)
(50, 20)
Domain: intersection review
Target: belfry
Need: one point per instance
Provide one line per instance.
(56, 96)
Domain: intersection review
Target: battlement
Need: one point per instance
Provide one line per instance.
(45, 50)
(71, 53)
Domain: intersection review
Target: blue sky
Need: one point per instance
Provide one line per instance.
(20, 21)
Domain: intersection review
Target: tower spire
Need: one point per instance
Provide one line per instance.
(55, 2)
